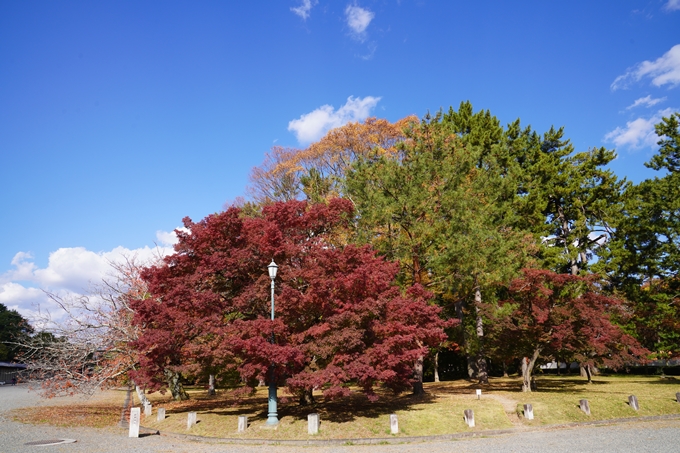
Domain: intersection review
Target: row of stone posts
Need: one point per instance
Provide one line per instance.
(314, 421)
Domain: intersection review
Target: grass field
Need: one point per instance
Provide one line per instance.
(439, 412)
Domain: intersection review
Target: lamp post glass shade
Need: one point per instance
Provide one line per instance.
(272, 269)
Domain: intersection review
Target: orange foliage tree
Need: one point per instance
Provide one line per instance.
(317, 171)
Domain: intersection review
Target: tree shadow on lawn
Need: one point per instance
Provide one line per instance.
(510, 385)
(341, 410)
(668, 380)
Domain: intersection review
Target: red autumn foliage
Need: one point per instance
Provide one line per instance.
(339, 317)
(561, 315)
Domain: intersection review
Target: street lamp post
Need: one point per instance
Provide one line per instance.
(273, 416)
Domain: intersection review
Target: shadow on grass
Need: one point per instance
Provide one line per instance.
(510, 385)
(668, 380)
(341, 410)
(226, 404)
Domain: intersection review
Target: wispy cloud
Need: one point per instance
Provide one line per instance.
(313, 125)
(672, 5)
(638, 133)
(358, 20)
(304, 9)
(646, 101)
(664, 70)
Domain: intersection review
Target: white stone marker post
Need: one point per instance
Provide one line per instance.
(585, 406)
(528, 412)
(633, 402)
(147, 410)
(135, 414)
(242, 423)
(191, 419)
(469, 416)
(479, 394)
(313, 423)
(160, 415)
(394, 424)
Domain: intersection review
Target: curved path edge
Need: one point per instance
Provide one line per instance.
(401, 440)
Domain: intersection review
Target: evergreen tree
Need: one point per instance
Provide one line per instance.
(13, 329)
(644, 262)
(443, 208)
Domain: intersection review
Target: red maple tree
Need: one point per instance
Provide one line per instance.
(339, 319)
(550, 315)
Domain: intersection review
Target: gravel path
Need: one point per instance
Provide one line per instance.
(657, 437)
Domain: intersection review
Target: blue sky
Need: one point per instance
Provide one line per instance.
(117, 119)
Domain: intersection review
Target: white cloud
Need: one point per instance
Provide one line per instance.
(14, 295)
(672, 5)
(646, 101)
(664, 70)
(70, 270)
(313, 125)
(23, 268)
(638, 133)
(31, 303)
(169, 238)
(304, 9)
(358, 20)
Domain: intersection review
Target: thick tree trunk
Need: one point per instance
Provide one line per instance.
(587, 372)
(306, 397)
(527, 369)
(175, 386)
(482, 373)
(436, 367)
(211, 385)
(418, 389)
(505, 369)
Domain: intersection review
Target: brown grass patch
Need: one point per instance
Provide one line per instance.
(90, 415)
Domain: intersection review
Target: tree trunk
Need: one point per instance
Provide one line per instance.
(436, 367)
(564, 236)
(505, 369)
(482, 373)
(471, 366)
(527, 369)
(589, 374)
(418, 377)
(140, 394)
(306, 397)
(211, 385)
(175, 386)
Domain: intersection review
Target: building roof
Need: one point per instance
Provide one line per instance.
(12, 365)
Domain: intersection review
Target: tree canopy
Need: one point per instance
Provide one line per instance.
(395, 241)
(339, 316)
(13, 329)
(561, 315)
